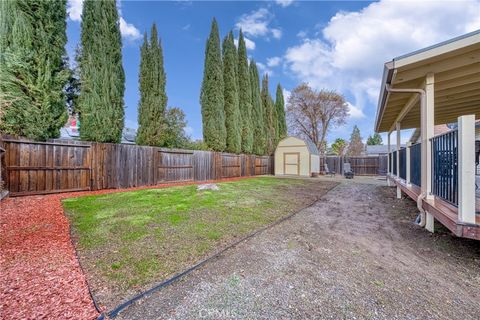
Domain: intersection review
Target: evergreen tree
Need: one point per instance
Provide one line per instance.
(153, 98)
(245, 96)
(376, 139)
(173, 135)
(72, 90)
(280, 108)
(339, 146)
(275, 133)
(232, 112)
(33, 68)
(211, 96)
(355, 147)
(258, 118)
(270, 121)
(102, 78)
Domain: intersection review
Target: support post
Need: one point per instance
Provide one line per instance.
(389, 169)
(466, 169)
(399, 191)
(427, 131)
(407, 163)
(398, 149)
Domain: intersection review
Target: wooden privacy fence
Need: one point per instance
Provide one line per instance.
(362, 166)
(66, 166)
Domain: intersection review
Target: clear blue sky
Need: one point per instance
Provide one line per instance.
(333, 45)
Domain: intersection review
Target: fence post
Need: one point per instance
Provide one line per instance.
(407, 161)
(466, 169)
(3, 175)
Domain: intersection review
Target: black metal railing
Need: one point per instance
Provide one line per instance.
(403, 163)
(445, 166)
(389, 162)
(394, 162)
(416, 164)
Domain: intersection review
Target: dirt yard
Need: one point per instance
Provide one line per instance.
(355, 254)
(129, 241)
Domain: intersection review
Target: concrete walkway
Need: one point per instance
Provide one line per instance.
(354, 254)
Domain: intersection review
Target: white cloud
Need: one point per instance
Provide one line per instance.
(273, 61)
(310, 61)
(261, 66)
(286, 95)
(349, 56)
(355, 112)
(284, 3)
(248, 43)
(128, 30)
(257, 24)
(74, 9)
(276, 33)
(186, 27)
(302, 34)
(188, 130)
(264, 69)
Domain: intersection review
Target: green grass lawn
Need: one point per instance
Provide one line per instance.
(131, 240)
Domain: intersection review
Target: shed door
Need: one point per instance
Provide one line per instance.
(291, 162)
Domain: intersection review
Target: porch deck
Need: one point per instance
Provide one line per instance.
(443, 211)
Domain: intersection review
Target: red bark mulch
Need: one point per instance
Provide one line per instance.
(40, 276)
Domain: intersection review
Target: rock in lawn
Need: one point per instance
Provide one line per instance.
(208, 186)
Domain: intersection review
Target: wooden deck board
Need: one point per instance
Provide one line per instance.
(444, 212)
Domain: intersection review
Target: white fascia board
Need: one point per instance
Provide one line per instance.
(439, 49)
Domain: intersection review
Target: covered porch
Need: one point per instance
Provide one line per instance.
(436, 85)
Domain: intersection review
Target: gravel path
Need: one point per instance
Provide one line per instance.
(354, 254)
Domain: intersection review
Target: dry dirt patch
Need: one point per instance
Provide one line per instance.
(127, 242)
(355, 254)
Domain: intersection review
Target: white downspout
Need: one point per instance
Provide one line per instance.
(422, 195)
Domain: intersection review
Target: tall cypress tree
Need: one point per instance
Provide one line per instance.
(153, 98)
(232, 111)
(211, 96)
(258, 117)
(33, 68)
(269, 117)
(276, 135)
(245, 96)
(280, 108)
(101, 73)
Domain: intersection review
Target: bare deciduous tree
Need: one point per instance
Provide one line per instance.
(311, 113)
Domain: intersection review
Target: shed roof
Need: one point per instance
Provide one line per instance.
(312, 148)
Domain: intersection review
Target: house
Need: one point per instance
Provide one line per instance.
(444, 128)
(73, 133)
(437, 130)
(298, 157)
(380, 149)
(437, 85)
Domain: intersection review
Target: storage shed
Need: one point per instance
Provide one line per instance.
(295, 156)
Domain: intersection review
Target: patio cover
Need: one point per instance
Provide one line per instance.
(455, 65)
